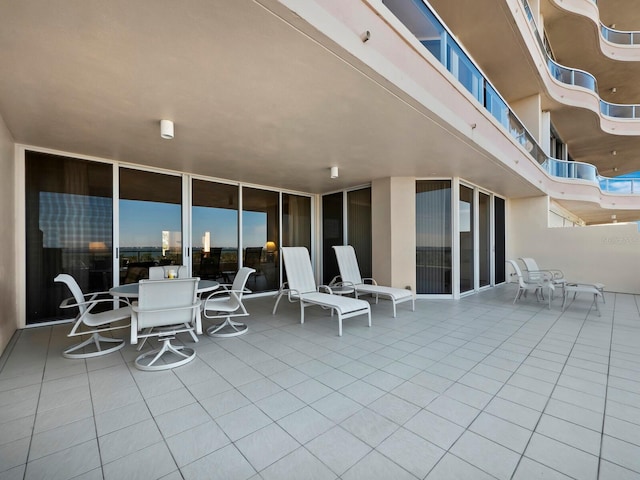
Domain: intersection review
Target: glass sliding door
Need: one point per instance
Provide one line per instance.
(296, 222)
(150, 222)
(484, 240)
(69, 229)
(214, 230)
(500, 240)
(465, 217)
(433, 236)
(359, 227)
(332, 234)
(260, 238)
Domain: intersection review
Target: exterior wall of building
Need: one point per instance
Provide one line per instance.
(8, 286)
(393, 231)
(606, 254)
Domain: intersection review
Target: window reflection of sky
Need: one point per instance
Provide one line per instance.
(142, 223)
(221, 223)
(254, 229)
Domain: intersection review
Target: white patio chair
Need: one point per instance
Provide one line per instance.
(525, 285)
(162, 272)
(227, 303)
(535, 274)
(89, 323)
(164, 309)
(350, 276)
(557, 276)
(301, 286)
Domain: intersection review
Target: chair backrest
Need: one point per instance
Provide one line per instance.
(210, 264)
(299, 272)
(518, 272)
(252, 257)
(76, 291)
(348, 264)
(170, 301)
(240, 280)
(533, 273)
(162, 272)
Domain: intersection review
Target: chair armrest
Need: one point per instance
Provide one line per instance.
(557, 274)
(325, 287)
(137, 309)
(91, 300)
(373, 282)
(545, 275)
(335, 280)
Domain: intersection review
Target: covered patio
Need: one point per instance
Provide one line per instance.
(475, 388)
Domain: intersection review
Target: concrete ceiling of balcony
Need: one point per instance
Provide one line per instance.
(257, 95)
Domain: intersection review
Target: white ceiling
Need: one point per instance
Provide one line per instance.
(253, 98)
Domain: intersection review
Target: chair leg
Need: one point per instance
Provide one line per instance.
(237, 328)
(279, 297)
(187, 354)
(95, 339)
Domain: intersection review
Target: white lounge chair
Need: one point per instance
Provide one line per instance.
(301, 286)
(526, 285)
(350, 277)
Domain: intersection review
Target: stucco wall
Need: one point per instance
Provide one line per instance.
(608, 254)
(394, 231)
(8, 290)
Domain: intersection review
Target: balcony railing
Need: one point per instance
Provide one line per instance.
(423, 22)
(588, 172)
(619, 37)
(580, 78)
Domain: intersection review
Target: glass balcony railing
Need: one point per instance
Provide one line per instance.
(418, 17)
(586, 171)
(580, 78)
(619, 37)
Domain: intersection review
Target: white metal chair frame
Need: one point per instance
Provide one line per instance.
(593, 288)
(301, 287)
(525, 285)
(536, 274)
(227, 303)
(182, 318)
(98, 323)
(350, 277)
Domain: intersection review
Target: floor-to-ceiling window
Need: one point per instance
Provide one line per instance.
(69, 205)
(296, 222)
(500, 240)
(332, 233)
(214, 230)
(350, 209)
(484, 239)
(466, 226)
(70, 228)
(359, 227)
(150, 206)
(260, 237)
(433, 236)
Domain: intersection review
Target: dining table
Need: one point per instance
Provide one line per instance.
(131, 291)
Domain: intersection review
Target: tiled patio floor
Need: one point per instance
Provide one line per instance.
(471, 389)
